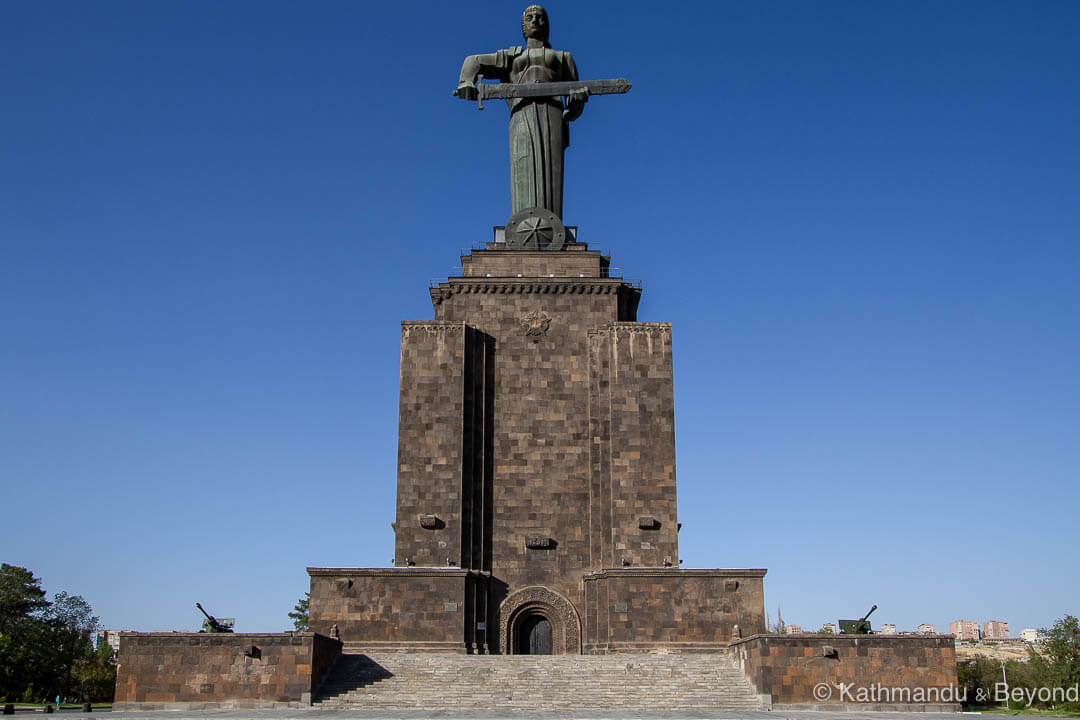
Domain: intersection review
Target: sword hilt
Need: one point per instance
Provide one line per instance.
(479, 92)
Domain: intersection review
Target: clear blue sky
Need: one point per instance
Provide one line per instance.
(861, 217)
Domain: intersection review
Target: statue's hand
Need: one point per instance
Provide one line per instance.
(465, 91)
(575, 104)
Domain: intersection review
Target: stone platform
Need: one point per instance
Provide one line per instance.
(880, 672)
(175, 671)
(193, 671)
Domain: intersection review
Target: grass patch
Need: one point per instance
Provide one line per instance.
(63, 706)
(1027, 711)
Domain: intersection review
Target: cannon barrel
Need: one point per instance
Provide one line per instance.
(856, 627)
(212, 624)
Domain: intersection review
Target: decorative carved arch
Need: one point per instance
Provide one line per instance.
(539, 600)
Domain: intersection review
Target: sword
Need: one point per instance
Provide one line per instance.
(493, 91)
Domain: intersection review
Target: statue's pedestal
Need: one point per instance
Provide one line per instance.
(536, 475)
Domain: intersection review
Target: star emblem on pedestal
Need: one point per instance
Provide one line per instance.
(535, 229)
(536, 232)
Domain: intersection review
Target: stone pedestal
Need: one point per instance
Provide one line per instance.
(536, 465)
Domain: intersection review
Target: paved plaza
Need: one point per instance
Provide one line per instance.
(319, 714)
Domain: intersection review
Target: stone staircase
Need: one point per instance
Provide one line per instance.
(637, 682)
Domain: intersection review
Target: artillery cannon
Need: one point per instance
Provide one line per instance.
(857, 627)
(212, 625)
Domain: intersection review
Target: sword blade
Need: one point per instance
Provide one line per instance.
(552, 89)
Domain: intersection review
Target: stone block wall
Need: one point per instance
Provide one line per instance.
(632, 446)
(636, 609)
(431, 609)
(444, 490)
(428, 527)
(824, 672)
(536, 450)
(166, 670)
(497, 261)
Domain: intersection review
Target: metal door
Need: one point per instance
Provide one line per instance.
(534, 638)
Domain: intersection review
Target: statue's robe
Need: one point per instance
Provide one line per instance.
(538, 133)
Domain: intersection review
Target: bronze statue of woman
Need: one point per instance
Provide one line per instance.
(539, 131)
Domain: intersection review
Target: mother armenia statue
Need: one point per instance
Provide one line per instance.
(539, 131)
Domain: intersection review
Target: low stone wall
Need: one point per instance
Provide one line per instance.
(852, 672)
(167, 670)
(693, 610)
(417, 609)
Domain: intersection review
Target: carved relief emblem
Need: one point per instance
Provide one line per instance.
(535, 324)
(535, 229)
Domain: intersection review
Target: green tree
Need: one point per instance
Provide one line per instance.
(43, 644)
(96, 676)
(73, 612)
(73, 623)
(299, 614)
(24, 641)
(1056, 662)
(21, 596)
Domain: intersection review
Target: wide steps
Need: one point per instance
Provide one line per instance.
(638, 682)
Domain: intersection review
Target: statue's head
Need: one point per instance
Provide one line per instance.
(534, 23)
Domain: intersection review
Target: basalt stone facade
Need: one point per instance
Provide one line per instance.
(168, 671)
(839, 672)
(640, 609)
(430, 609)
(536, 461)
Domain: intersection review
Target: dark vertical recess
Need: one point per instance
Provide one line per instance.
(468, 448)
(488, 502)
(478, 447)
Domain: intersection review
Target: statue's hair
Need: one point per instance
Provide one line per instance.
(547, 28)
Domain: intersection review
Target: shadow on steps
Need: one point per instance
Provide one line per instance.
(351, 672)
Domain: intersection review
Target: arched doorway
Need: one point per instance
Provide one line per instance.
(533, 635)
(538, 621)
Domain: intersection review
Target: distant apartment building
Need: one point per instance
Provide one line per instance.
(829, 628)
(792, 629)
(888, 629)
(965, 629)
(1029, 635)
(995, 630)
(111, 638)
(926, 629)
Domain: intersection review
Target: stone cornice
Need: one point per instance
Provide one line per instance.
(836, 638)
(496, 249)
(203, 635)
(439, 328)
(395, 571)
(635, 325)
(433, 324)
(529, 286)
(632, 328)
(676, 572)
